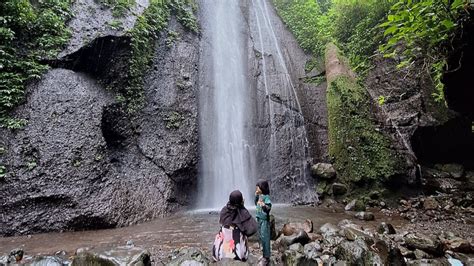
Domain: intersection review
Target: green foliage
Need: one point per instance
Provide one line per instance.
(115, 24)
(307, 22)
(356, 31)
(173, 120)
(3, 171)
(424, 28)
(171, 38)
(351, 24)
(381, 100)
(317, 80)
(119, 7)
(184, 10)
(31, 165)
(360, 150)
(28, 35)
(143, 36)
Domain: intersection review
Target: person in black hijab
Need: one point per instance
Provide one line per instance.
(235, 214)
(236, 225)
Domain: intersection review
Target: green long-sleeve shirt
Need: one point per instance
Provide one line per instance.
(263, 211)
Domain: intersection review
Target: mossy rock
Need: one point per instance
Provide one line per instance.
(361, 151)
(91, 260)
(323, 188)
(359, 206)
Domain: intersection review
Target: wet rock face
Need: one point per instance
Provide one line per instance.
(57, 162)
(82, 162)
(425, 131)
(290, 118)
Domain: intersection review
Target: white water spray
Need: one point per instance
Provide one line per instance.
(226, 153)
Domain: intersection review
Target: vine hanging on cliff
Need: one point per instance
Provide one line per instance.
(143, 37)
(29, 34)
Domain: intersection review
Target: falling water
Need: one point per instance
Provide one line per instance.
(291, 145)
(226, 152)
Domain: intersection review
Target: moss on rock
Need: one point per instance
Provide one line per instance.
(359, 148)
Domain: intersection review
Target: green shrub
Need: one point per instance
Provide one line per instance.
(28, 35)
(119, 7)
(351, 24)
(425, 29)
(143, 38)
(3, 171)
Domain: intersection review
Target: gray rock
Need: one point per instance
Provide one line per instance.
(283, 242)
(420, 254)
(423, 242)
(130, 256)
(453, 170)
(188, 256)
(296, 247)
(292, 257)
(430, 203)
(350, 234)
(328, 230)
(323, 170)
(49, 261)
(81, 153)
(292, 228)
(355, 205)
(351, 205)
(388, 252)
(339, 189)
(457, 244)
(431, 262)
(17, 254)
(312, 250)
(366, 216)
(386, 228)
(355, 253)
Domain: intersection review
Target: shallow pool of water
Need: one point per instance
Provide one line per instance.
(160, 236)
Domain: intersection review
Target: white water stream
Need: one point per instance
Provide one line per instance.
(226, 153)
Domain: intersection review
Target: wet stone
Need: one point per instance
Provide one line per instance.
(188, 256)
(323, 170)
(339, 189)
(423, 242)
(385, 228)
(430, 204)
(366, 216)
(119, 255)
(312, 250)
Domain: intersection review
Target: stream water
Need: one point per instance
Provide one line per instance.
(192, 229)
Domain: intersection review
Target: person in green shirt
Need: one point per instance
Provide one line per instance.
(263, 207)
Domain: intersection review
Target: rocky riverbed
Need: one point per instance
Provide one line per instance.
(305, 235)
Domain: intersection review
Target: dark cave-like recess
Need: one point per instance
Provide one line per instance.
(105, 58)
(452, 142)
(115, 127)
(459, 82)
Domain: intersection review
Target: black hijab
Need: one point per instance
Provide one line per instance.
(234, 213)
(264, 187)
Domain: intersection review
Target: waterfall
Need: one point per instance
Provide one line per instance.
(226, 152)
(288, 153)
(251, 121)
